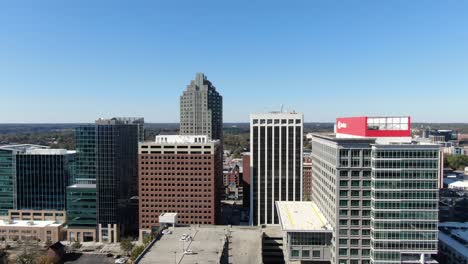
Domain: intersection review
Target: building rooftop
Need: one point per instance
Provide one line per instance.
(83, 185)
(28, 223)
(301, 216)
(207, 245)
(31, 149)
(455, 235)
(460, 184)
(23, 147)
(120, 121)
(169, 214)
(34, 151)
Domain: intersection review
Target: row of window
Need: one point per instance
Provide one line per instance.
(405, 235)
(177, 201)
(175, 157)
(353, 252)
(354, 203)
(174, 184)
(177, 193)
(355, 222)
(388, 154)
(276, 121)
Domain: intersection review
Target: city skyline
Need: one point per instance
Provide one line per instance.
(323, 59)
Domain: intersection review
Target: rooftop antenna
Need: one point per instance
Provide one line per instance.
(281, 111)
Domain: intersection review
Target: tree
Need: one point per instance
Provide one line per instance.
(126, 245)
(457, 162)
(47, 260)
(147, 239)
(25, 258)
(48, 243)
(76, 245)
(136, 252)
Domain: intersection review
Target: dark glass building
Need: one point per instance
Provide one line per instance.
(7, 174)
(276, 163)
(81, 211)
(42, 177)
(117, 176)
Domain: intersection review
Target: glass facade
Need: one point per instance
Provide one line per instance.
(380, 199)
(7, 175)
(41, 181)
(117, 173)
(404, 202)
(81, 205)
(85, 141)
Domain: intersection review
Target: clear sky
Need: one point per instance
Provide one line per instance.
(74, 61)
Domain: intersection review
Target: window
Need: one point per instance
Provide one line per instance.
(305, 253)
(295, 253)
(343, 252)
(316, 254)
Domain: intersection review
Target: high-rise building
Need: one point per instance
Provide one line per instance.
(378, 190)
(108, 153)
(117, 176)
(276, 149)
(179, 174)
(201, 109)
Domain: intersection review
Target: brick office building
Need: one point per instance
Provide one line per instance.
(181, 174)
(307, 170)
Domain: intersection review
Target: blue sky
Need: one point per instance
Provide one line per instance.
(74, 61)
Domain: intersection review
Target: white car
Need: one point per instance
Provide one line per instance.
(121, 261)
(188, 252)
(183, 237)
(166, 232)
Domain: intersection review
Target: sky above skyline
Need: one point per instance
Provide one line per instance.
(75, 61)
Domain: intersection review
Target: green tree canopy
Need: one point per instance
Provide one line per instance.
(457, 162)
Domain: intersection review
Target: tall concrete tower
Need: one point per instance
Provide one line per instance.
(201, 109)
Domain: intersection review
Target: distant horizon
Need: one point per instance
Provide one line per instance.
(247, 122)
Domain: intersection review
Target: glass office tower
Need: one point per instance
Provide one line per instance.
(7, 176)
(41, 178)
(107, 152)
(405, 199)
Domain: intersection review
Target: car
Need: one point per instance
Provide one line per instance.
(188, 252)
(166, 232)
(121, 261)
(183, 237)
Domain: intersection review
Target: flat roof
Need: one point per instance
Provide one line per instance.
(169, 214)
(83, 185)
(27, 223)
(206, 244)
(301, 216)
(458, 230)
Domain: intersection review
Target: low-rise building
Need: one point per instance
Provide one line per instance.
(31, 230)
(453, 242)
(81, 212)
(38, 215)
(307, 236)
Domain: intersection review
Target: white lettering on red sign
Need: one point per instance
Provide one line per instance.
(342, 125)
